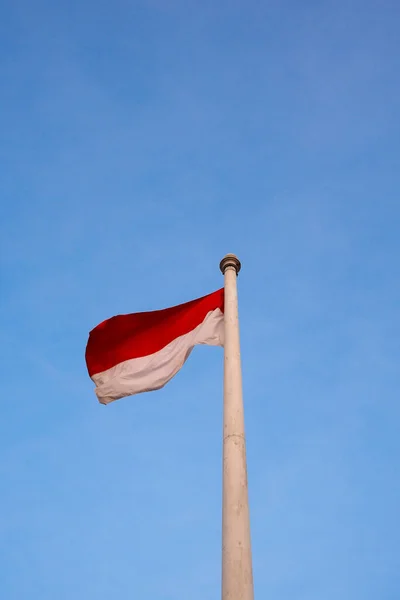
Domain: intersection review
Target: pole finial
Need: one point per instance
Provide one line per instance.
(230, 260)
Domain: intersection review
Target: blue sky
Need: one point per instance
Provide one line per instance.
(140, 142)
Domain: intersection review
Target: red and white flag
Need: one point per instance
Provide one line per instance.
(140, 352)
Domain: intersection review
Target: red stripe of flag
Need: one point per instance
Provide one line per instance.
(125, 337)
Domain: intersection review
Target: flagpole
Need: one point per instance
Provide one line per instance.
(237, 575)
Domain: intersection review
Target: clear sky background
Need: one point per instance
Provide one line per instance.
(140, 142)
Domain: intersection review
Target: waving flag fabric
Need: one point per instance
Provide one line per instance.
(140, 352)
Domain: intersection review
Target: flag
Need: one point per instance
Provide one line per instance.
(140, 352)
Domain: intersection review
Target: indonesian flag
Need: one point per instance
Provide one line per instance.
(140, 352)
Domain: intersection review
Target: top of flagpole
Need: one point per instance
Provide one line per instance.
(230, 260)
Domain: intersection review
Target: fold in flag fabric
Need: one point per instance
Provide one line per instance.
(140, 352)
